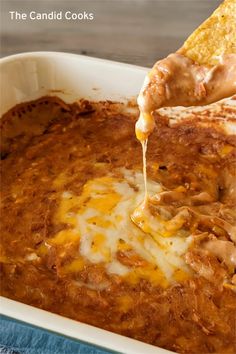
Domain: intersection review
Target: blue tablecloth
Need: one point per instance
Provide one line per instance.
(20, 338)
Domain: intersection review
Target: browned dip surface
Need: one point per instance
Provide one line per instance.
(58, 161)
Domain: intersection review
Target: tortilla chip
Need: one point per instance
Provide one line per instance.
(215, 36)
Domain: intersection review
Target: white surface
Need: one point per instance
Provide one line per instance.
(29, 76)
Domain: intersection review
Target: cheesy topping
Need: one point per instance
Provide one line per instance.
(100, 221)
(178, 81)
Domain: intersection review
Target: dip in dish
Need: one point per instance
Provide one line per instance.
(74, 243)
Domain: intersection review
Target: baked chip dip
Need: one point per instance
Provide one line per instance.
(135, 239)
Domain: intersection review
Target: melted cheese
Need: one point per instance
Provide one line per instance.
(100, 220)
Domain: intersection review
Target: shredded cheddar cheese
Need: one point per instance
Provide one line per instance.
(102, 222)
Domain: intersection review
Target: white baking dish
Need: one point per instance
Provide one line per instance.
(29, 76)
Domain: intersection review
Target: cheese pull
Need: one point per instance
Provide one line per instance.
(202, 71)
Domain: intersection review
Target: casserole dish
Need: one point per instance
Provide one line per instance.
(74, 187)
(28, 76)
